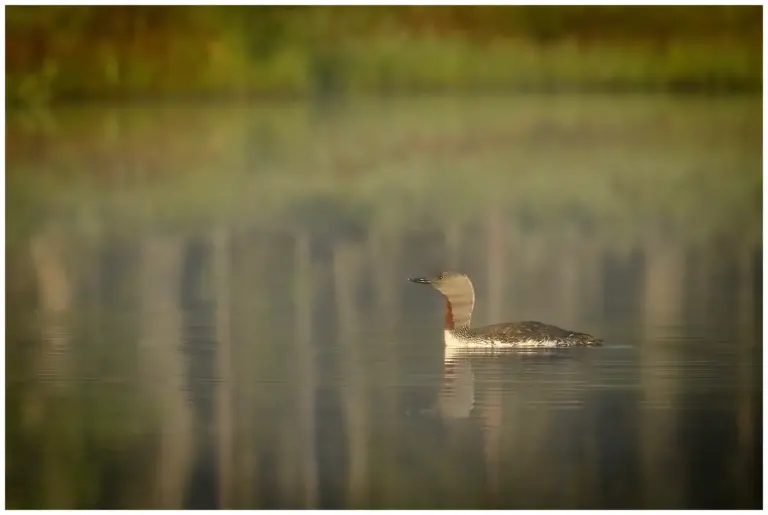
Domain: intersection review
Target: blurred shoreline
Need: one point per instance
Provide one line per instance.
(58, 55)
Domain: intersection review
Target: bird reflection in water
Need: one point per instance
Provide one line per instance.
(457, 395)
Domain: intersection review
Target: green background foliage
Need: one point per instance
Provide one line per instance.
(57, 53)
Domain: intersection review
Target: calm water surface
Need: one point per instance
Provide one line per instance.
(217, 313)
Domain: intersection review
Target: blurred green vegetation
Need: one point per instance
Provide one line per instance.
(621, 166)
(62, 53)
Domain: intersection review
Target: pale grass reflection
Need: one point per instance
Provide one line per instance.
(164, 367)
(347, 269)
(662, 305)
(54, 285)
(51, 263)
(457, 390)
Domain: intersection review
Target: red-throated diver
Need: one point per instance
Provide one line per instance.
(460, 300)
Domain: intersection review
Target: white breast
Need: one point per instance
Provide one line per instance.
(453, 342)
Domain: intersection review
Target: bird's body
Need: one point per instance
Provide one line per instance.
(518, 334)
(459, 302)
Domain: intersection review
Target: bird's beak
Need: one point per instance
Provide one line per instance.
(421, 280)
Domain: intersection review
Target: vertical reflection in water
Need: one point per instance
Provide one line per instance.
(456, 397)
(460, 440)
(492, 417)
(567, 259)
(513, 284)
(492, 414)
(664, 271)
(659, 378)
(346, 270)
(224, 415)
(199, 344)
(495, 269)
(54, 298)
(164, 367)
(305, 355)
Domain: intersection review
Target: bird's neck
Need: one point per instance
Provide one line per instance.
(458, 312)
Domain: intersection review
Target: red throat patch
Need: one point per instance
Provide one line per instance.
(448, 314)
